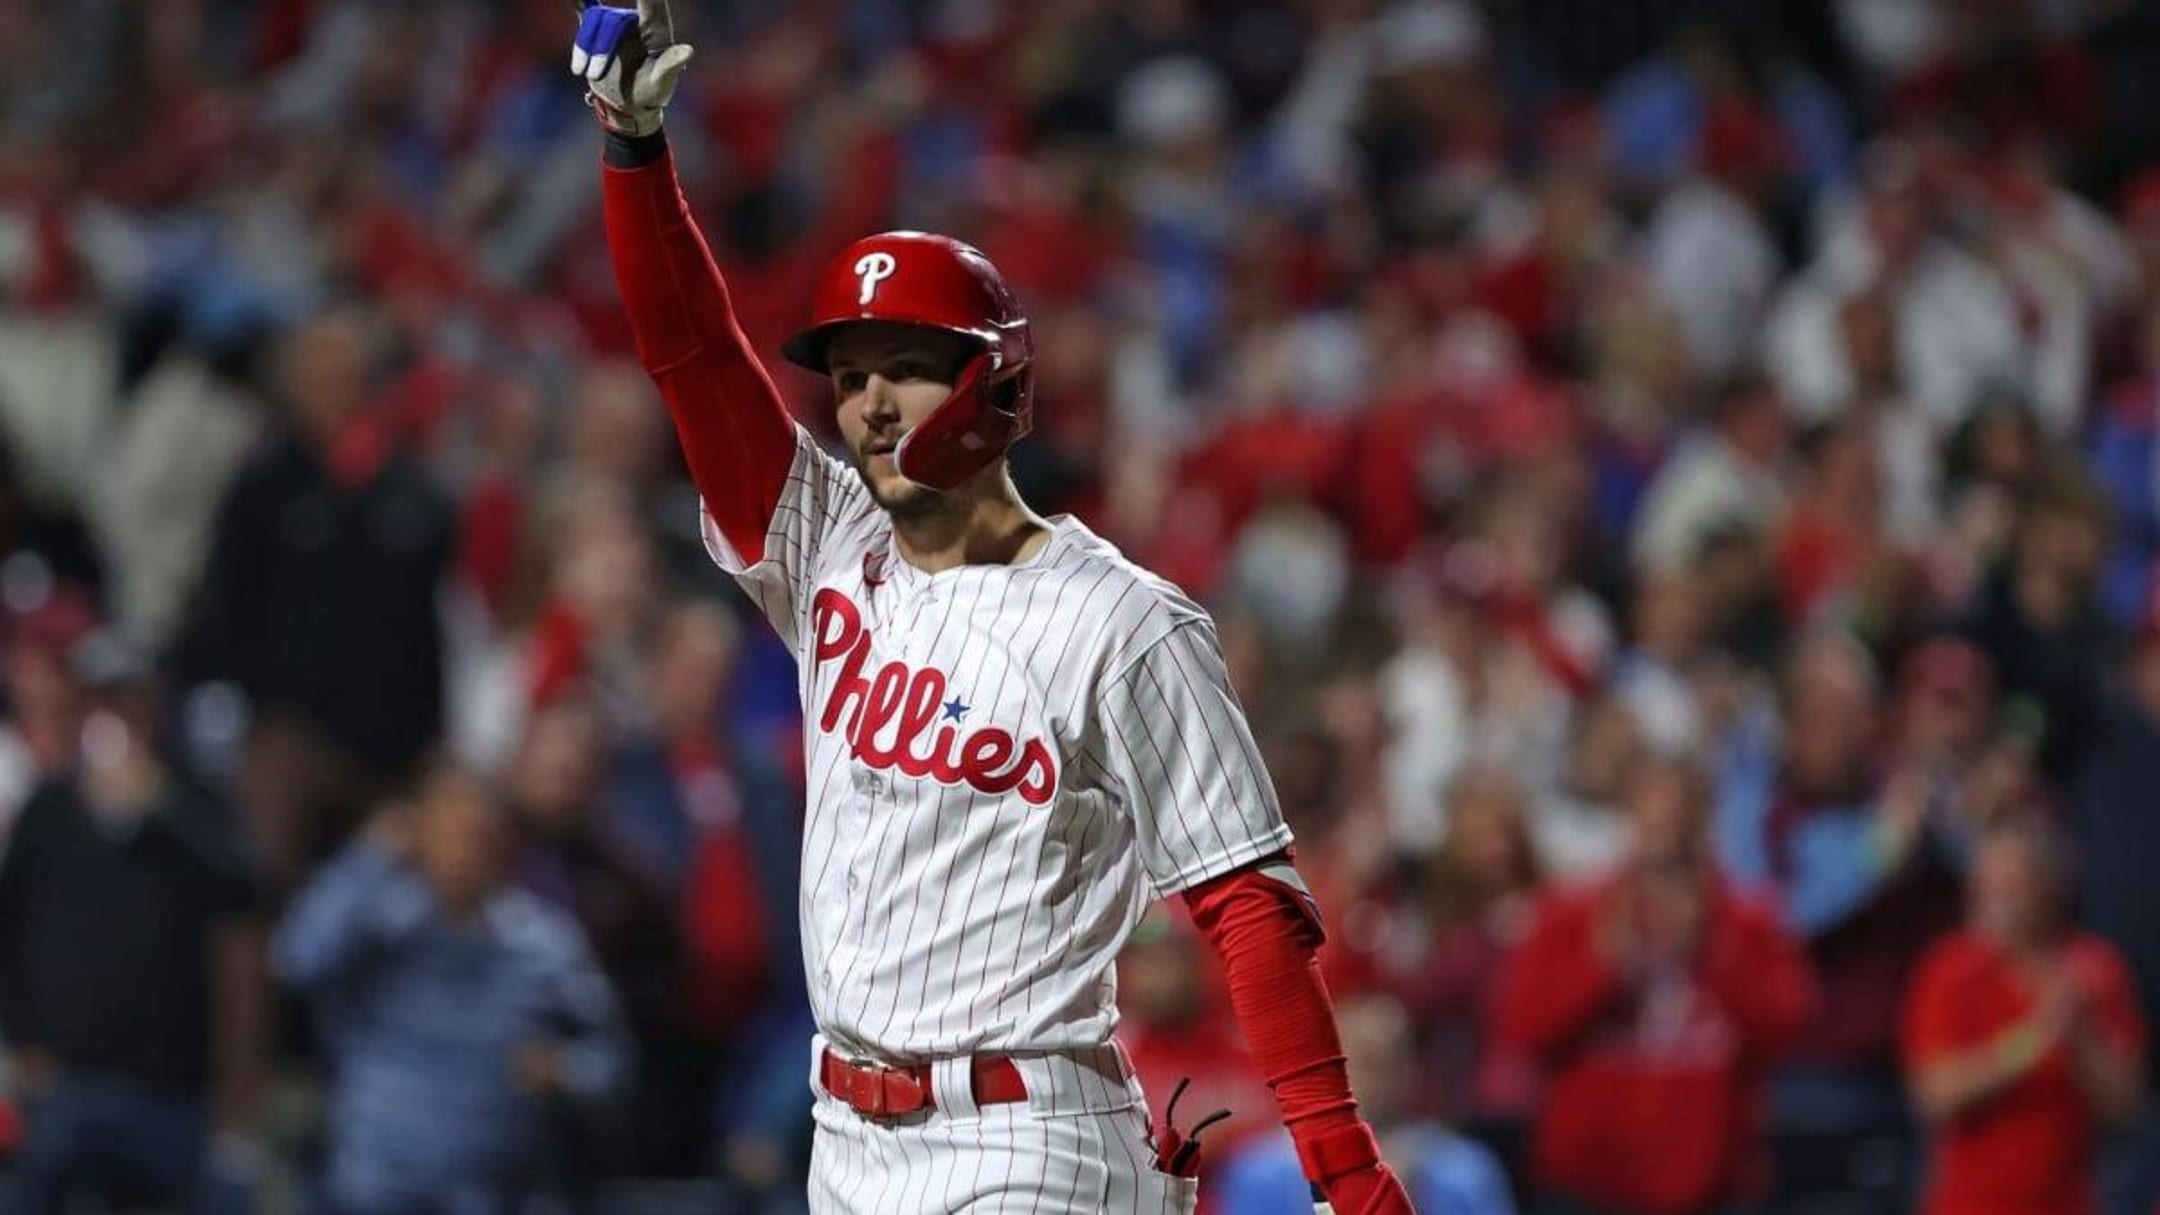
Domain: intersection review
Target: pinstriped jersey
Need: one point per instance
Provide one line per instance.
(1006, 764)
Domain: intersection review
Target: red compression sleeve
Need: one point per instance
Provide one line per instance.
(1267, 937)
(736, 434)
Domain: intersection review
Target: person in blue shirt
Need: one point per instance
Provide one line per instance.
(1445, 1172)
(464, 1019)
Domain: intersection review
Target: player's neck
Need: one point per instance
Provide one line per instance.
(984, 523)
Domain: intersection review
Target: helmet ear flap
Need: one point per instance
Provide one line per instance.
(985, 413)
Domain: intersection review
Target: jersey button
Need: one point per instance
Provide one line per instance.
(853, 881)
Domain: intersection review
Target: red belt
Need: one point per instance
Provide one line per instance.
(876, 1091)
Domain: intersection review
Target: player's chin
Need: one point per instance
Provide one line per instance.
(898, 496)
(903, 499)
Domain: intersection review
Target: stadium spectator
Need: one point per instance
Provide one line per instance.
(572, 855)
(1908, 450)
(319, 599)
(1815, 809)
(1478, 892)
(2022, 1039)
(1496, 664)
(679, 802)
(1838, 562)
(124, 882)
(1710, 251)
(567, 852)
(1805, 810)
(1579, 826)
(2039, 617)
(603, 596)
(472, 1041)
(670, 778)
(2065, 263)
(1656, 1000)
(1955, 321)
(1725, 476)
(1658, 679)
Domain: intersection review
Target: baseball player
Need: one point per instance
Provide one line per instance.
(1015, 738)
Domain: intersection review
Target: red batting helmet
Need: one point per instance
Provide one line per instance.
(917, 278)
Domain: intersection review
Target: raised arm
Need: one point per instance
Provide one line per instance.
(736, 434)
(359, 907)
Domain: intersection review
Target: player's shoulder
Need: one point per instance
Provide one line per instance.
(1134, 605)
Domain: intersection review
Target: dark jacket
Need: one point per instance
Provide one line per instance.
(320, 600)
(106, 932)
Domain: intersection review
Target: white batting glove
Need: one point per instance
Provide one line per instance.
(630, 63)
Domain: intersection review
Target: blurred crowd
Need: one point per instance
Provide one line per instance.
(1678, 482)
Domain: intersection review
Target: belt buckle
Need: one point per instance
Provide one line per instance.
(864, 1090)
(877, 1091)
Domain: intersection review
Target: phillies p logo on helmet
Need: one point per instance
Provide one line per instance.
(874, 268)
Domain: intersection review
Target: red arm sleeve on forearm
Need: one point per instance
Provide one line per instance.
(1267, 941)
(736, 434)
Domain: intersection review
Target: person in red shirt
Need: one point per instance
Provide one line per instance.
(1656, 999)
(2022, 1038)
